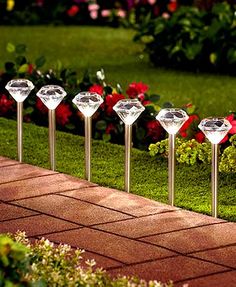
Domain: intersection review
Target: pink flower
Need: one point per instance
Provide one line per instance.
(74, 9)
(111, 100)
(96, 89)
(94, 14)
(165, 15)
(93, 7)
(121, 13)
(136, 89)
(6, 105)
(105, 13)
(63, 113)
(151, 2)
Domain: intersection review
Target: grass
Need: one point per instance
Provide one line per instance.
(149, 174)
(124, 62)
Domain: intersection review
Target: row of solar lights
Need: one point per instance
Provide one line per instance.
(128, 110)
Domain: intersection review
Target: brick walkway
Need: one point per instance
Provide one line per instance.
(124, 233)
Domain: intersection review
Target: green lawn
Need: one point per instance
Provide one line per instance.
(149, 174)
(123, 61)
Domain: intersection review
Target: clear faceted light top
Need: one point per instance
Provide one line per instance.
(87, 103)
(128, 110)
(51, 96)
(215, 129)
(172, 119)
(19, 89)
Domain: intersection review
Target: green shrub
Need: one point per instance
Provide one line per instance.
(14, 262)
(44, 264)
(193, 39)
(191, 152)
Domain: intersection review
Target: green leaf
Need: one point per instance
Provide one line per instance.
(106, 137)
(23, 69)
(140, 133)
(20, 48)
(154, 98)
(101, 125)
(20, 60)
(213, 58)
(28, 110)
(70, 126)
(167, 105)
(9, 66)
(10, 48)
(39, 62)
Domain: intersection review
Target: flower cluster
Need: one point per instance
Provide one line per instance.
(106, 123)
(84, 11)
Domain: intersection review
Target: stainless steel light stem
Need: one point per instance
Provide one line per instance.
(19, 130)
(88, 135)
(214, 179)
(171, 169)
(52, 128)
(128, 142)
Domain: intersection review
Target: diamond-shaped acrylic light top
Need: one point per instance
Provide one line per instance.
(19, 89)
(128, 110)
(51, 96)
(172, 119)
(215, 129)
(87, 102)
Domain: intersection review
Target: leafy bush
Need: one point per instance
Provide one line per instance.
(191, 152)
(193, 39)
(45, 264)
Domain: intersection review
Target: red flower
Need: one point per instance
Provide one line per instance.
(147, 102)
(135, 89)
(111, 100)
(96, 89)
(154, 130)
(30, 68)
(232, 131)
(110, 128)
(6, 105)
(172, 6)
(63, 113)
(41, 107)
(74, 9)
(186, 125)
(200, 137)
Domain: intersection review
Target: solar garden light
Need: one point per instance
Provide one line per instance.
(88, 103)
(215, 129)
(19, 89)
(51, 96)
(128, 110)
(172, 120)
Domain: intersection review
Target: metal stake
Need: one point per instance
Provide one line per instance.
(88, 135)
(128, 140)
(52, 128)
(171, 169)
(19, 130)
(214, 179)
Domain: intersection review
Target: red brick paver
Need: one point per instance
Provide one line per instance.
(126, 234)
